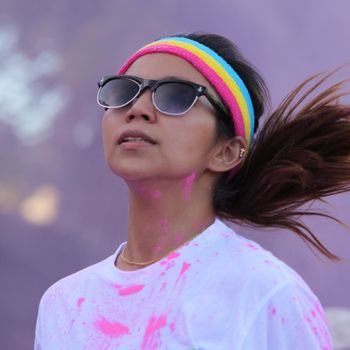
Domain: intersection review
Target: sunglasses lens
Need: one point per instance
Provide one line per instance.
(174, 98)
(117, 92)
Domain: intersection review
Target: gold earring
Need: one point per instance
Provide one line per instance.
(241, 152)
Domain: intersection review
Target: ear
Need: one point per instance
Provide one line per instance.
(227, 154)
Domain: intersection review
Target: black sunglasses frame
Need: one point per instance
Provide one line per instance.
(154, 84)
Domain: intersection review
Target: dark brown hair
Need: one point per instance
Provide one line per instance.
(300, 154)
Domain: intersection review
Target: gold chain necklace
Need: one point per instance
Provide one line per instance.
(152, 261)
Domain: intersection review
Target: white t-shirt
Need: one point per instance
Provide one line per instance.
(220, 291)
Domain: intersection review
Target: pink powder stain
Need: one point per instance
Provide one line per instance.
(251, 246)
(155, 194)
(167, 264)
(164, 225)
(184, 268)
(225, 234)
(313, 313)
(188, 182)
(319, 309)
(173, 255)
(80, 301)
(315, 331)
(150, 341)
(132, 289)
(307, 319)
(172, 326)
(113, 329)
(178, 237)
(159, 247)
(71, 324)
(273, 311)
(148, 193)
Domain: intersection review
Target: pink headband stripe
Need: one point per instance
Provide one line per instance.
(217, 82)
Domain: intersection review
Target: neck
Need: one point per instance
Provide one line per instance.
(164, 215)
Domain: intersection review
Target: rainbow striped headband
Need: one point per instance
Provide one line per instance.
(227, 83)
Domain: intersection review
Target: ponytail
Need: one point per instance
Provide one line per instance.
(301, 154)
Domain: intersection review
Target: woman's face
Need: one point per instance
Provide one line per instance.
(184, 143)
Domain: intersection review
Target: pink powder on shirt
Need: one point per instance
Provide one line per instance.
(313, 313)
(167, 264)
(184, 268)
(151, 338)
(113, 329)
(131, 289)
(251, 246)
(80, 301)
(128, 289)
(173, 255)
(172, 326)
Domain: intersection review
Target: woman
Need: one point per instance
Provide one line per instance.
(179, 126)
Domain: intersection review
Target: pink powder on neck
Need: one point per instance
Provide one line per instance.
(188, 182)
(164, 225)
(148, 193)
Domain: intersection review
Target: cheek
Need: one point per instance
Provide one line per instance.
(108, 129)
(193, 141)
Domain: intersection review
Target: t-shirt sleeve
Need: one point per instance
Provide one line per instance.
(38, 331)
(292, 318)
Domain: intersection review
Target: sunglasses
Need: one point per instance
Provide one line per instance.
(170, 96)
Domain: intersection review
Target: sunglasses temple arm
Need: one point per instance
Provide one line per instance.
(216, 103)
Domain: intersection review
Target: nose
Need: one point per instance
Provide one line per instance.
(142, 107)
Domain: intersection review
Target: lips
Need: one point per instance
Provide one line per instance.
(135, 133)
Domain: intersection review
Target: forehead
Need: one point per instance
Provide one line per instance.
(160, 65)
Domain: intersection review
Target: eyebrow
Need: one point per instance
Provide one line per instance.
(172, 77)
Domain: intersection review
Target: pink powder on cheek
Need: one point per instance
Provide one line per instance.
(113, 329)
(188, 182)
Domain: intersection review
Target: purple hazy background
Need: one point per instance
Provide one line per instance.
(61, 208)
